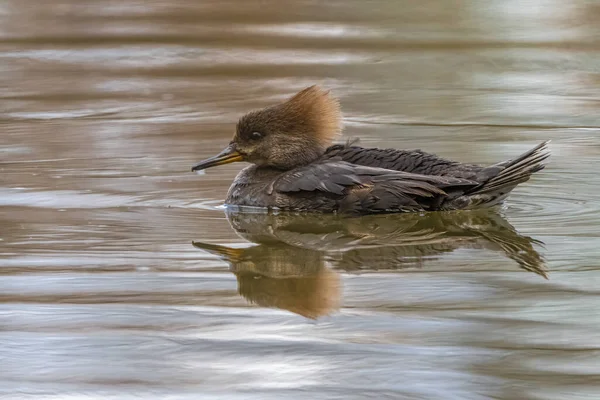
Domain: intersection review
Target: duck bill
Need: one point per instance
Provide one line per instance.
(228, 155)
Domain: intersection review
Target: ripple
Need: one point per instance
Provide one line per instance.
(74, 199)
(571, 209)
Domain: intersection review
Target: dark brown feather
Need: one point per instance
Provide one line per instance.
(368, 189)
(415, 161)
(494, 182)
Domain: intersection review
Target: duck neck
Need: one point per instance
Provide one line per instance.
(293, 157)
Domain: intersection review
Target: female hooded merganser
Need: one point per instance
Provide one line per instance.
(296, 167)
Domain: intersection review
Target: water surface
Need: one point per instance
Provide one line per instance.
(123, 278)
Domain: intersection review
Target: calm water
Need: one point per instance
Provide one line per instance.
(122, 277)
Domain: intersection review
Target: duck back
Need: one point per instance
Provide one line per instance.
(414, 161)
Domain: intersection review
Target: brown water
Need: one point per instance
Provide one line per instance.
(105, 105)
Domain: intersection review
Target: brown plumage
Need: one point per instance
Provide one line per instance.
(295, 167)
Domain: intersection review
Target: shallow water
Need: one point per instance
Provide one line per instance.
(122, 277)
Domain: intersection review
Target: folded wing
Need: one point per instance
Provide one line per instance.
(360, 188)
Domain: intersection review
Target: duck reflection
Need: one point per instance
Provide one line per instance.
(294, 264)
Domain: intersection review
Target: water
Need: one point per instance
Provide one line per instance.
(122, 277)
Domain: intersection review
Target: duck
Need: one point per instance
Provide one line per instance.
(296, 166)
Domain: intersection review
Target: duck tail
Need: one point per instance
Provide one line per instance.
(500, 179)
(508, 174)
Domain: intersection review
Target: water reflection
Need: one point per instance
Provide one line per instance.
(296, 258)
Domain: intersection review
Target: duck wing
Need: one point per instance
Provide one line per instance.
(415, 161)
(358, 188)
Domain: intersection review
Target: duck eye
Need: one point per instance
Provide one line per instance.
(256, 135)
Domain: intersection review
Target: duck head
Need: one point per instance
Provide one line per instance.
(283, 136)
